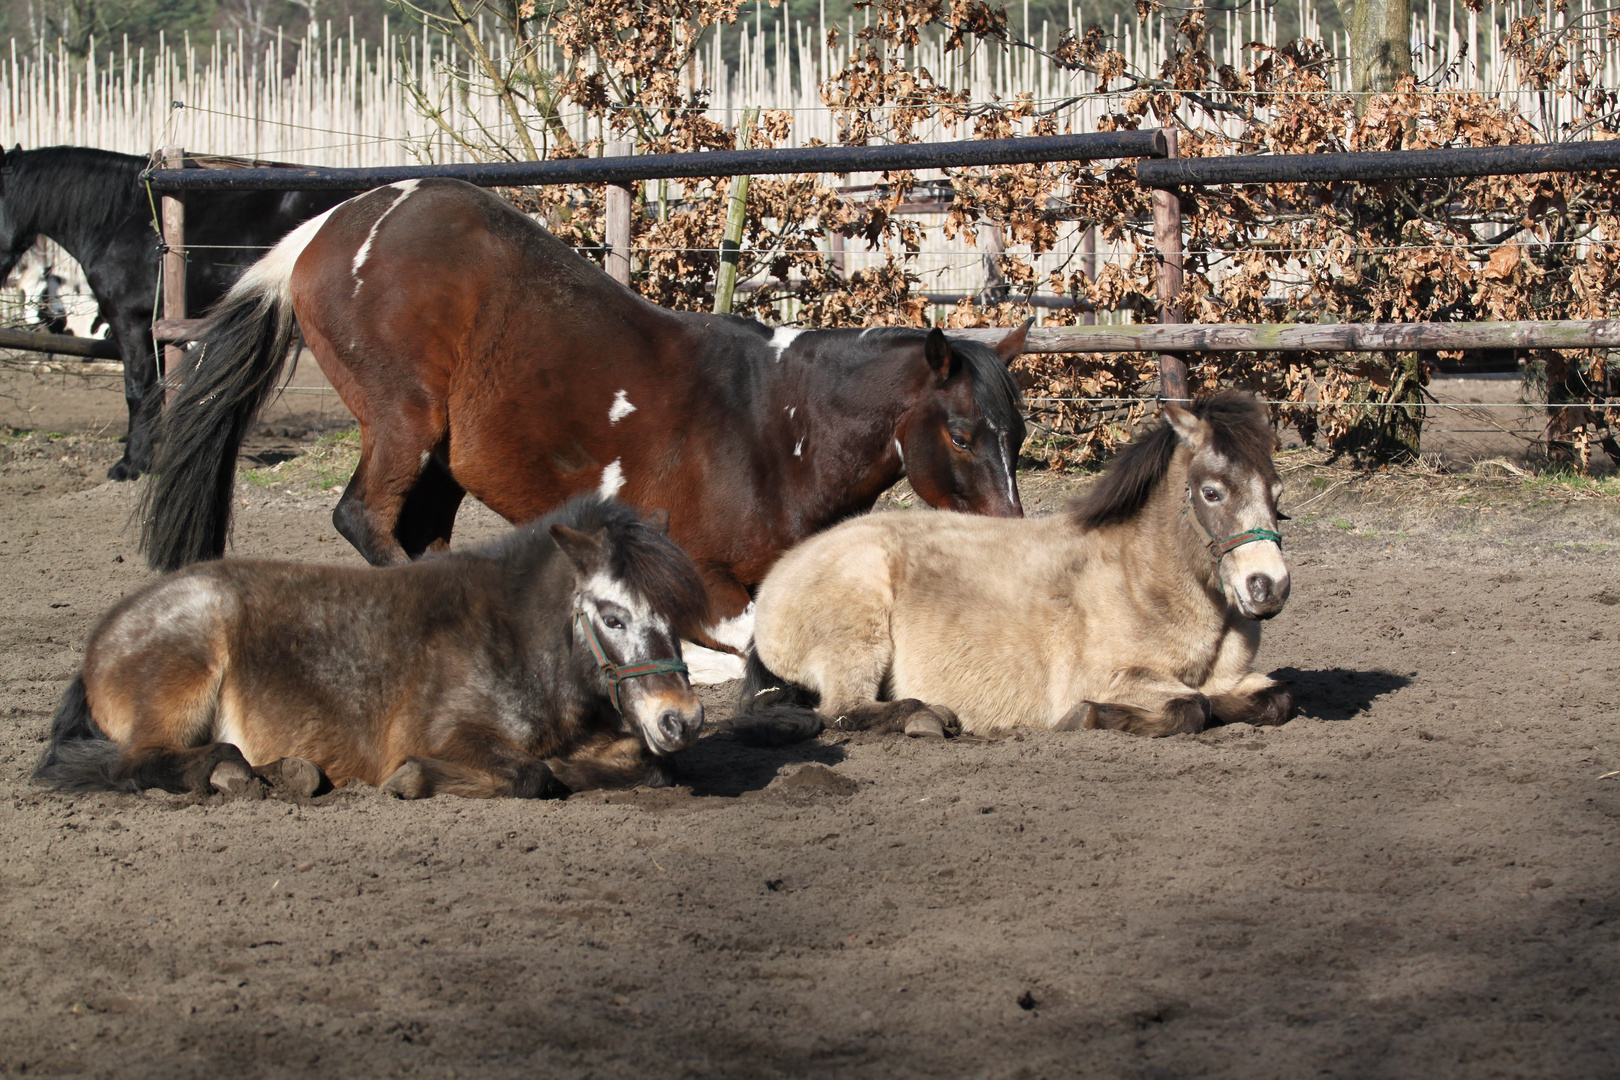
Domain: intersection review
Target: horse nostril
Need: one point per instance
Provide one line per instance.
(1259, 588)
(671, 725)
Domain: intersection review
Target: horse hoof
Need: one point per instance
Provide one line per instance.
(948, 719)
(123, 470)
(409, 781)
(231, 778)
(926, 725)
(292, 776)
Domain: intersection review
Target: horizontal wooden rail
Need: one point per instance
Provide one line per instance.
(176, 329)
(60, 344)
(1093, 146)
(1380, 164)
(1313, 337)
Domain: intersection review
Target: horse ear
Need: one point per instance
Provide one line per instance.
(657, 520)
(1189, 428)
(940, 356)
(582, 549)
(1014, 343)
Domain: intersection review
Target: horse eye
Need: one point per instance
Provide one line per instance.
(1212, 494)
(958, 441)
(613, 622)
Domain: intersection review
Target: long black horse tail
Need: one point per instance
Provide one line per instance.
(80, 757)
(241, 350)
(772, 711)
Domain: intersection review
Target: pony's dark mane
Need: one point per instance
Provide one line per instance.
(646, 560)
(1241, 432)
(994, 391)
(93, 189)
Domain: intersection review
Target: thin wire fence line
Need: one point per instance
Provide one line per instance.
(1118, 402)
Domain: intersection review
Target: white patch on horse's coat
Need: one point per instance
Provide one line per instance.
(620, 408)
(791, 410)
(612, 480)
(737, 631)
(901, 453)
(782, 338)
(798, 448)
(228, 729)
(708, 667)
(271, 276)
(404, 187)
(1006, 461)
(422, 462)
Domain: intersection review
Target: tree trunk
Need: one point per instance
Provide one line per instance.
(1390, 431)
(1380, 44)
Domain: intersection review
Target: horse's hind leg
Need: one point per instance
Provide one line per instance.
(429, 513)
(391, 465)
(474, 763)
(908, 715)
(214, 767)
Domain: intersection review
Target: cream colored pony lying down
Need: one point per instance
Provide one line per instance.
(1137, 610)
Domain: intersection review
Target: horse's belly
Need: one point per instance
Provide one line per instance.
(986, 697)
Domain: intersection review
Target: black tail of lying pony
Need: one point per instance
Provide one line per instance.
(772, 711)
(241, 351)
(80, 757)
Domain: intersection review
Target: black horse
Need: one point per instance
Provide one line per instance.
(93, 204)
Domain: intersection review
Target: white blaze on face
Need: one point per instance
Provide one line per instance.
(782, 338)
(632, 645)
(620, 408)
(612, 480)
(404, 188)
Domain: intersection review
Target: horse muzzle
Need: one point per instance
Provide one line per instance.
(1262, 595)
(670, 721)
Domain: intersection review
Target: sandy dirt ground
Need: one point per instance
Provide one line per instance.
(1415, 878)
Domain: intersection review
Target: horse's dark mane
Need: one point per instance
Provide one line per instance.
(93, 189)
(1242, 433)
(994, 391)
(646, 560)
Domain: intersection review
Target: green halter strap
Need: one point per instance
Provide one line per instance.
(1220, 548)
(618, 673)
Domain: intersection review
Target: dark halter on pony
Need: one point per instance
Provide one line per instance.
(617, 673)
(1221, 547)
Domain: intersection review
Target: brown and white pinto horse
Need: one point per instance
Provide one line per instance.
(482, 355)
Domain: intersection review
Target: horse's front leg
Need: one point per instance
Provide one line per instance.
(1239, 694)
(1141, 703)
(142, 395)
(474, 763)
(1256, 699)
(613, 761)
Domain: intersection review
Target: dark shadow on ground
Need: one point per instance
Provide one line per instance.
(720, 764)
(1338, 693)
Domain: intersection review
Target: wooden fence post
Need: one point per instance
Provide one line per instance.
(993, 246)
(174, 270)
(620, 202)
(1167, 239)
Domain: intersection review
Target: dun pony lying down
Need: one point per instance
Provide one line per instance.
(1139, 610)
(545, 663)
